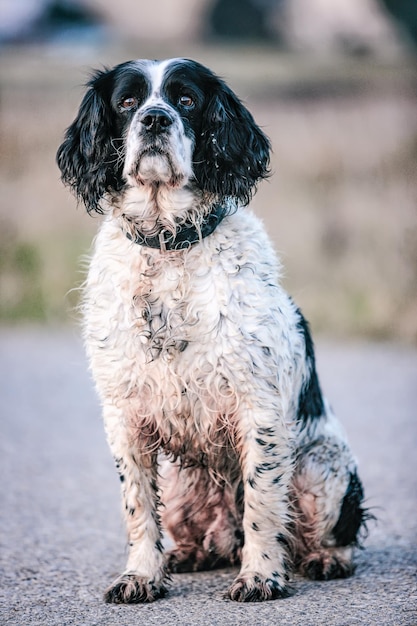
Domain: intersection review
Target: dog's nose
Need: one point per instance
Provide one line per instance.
(156, 120)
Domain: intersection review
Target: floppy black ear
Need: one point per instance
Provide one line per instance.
(87, 158)
(232, 153)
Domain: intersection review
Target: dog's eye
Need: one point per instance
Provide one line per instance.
(186, 101)
(129, 103)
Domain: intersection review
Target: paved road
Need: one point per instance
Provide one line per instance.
(62, 538)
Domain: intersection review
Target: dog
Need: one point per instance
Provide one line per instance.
(204, 365)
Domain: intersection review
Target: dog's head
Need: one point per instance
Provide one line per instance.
(172, 123)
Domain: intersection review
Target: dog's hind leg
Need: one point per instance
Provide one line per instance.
(204, 518)
(328, 498)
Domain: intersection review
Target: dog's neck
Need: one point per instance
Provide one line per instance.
(167, 218)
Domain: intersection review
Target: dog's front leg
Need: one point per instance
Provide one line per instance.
(145, 575)
(266, 463)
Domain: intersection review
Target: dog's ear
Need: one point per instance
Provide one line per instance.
(88, 158)
(232, 153)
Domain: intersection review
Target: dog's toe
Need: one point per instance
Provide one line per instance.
(132, 589)
(255, 588)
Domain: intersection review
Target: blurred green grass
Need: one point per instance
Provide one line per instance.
(340, 206)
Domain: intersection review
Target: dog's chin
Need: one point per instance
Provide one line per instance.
(156, 169)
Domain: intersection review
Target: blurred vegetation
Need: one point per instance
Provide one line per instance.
(38, 278)
(21, 295)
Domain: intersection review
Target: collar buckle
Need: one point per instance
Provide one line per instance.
(162, 242)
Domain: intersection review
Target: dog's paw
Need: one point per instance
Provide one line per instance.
(325, 566)
(180, 561)
(133, 589)
(252, 587)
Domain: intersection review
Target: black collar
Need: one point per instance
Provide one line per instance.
(187, 233)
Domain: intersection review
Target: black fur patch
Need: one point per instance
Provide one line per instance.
(352, 515)
(310, 402)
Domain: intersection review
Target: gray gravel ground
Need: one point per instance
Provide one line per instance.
(62, 539)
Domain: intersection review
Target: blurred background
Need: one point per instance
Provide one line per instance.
(332, 82)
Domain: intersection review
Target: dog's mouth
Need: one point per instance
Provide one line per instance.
(155, 166)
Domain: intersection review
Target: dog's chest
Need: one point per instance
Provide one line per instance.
(158, 317)
(174, 338)
(173, 309)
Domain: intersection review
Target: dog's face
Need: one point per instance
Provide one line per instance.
(158, 108)
(153, 123)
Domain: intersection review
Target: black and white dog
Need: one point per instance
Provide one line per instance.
(204, 365)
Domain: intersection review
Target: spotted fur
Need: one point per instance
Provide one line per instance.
(204, 366)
